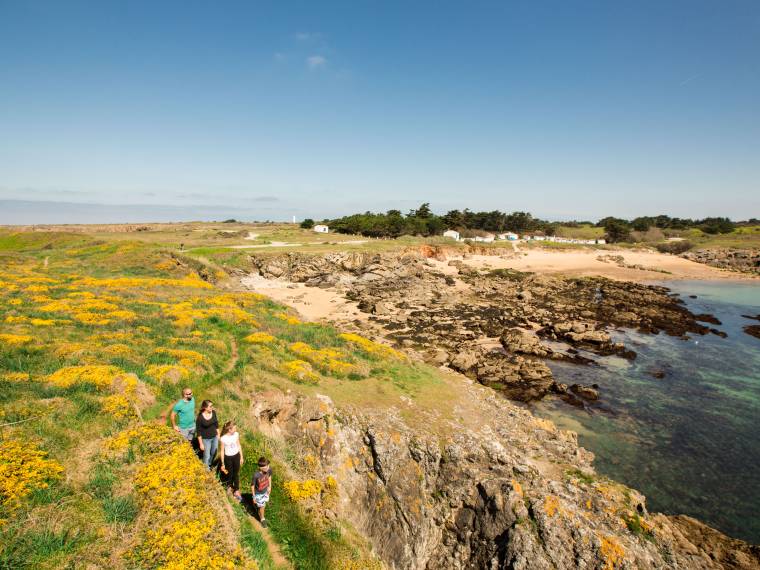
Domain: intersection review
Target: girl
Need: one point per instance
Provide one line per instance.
(232, 458)
(207, 431)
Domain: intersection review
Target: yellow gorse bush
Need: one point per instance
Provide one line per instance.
(173, 492)
(326, 359)
(14, 339)
(300, 370)
(187, 358)
(117, 406)
(301, 490)
(371, 347)
(167, 372)
(100, 376)
(23, 468)
(260, 338)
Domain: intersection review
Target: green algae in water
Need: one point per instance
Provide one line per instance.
(689, 441)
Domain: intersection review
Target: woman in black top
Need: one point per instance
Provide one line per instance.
(207, 432)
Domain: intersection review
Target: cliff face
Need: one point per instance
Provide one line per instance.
(497, 488)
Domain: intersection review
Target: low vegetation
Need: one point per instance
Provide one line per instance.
(96, 339)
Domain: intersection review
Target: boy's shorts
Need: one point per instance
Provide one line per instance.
(260, 500)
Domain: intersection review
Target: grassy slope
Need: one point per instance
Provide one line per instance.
(93, 513)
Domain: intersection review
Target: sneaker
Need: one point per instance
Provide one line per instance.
(264, 523)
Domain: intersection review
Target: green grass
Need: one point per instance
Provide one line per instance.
(120, 509)
(301, 543)
(252, 540)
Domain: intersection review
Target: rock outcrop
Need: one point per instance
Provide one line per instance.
(744, 260)
(490, 325)
(513, 492)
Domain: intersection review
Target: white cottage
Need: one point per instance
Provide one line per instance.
(321, 229)
(453, 234)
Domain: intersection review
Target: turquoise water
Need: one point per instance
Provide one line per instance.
(690, 441)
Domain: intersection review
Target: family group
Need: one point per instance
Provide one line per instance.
(204, 430)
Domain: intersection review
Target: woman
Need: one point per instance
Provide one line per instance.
(207, 431)
(232, 458)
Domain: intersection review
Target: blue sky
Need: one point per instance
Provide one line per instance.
(273, 109)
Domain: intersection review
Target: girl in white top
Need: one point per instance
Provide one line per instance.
(232, 458)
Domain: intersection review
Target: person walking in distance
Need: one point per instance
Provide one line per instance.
(232, 458)
(261, 485)
(207, 432)
(183, 415)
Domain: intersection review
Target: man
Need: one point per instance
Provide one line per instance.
(261, 485)
(185, 409)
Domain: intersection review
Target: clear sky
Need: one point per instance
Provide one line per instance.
(568, 109)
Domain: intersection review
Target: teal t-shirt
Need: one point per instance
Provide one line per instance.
(186, 412)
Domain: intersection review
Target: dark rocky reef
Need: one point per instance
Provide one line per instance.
(498, 327)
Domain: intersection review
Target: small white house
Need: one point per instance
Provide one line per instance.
(453, 234)
(321, 229)
(486, 239)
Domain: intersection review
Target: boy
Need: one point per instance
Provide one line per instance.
(261, 484)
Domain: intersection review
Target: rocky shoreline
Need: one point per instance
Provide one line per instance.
(504, 489)
(499, 327)
(743, 260)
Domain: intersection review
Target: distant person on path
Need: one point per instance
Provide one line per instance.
(232, 458)
(185, 410)
(261, 484)
(207, 432)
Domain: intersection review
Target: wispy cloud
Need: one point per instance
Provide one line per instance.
(316, 61)
(307, 36)
(690, 79)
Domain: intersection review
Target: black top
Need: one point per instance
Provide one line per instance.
(206, 428)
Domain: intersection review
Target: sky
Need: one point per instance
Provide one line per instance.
(174, 110)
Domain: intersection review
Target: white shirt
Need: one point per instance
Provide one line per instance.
(231, 443)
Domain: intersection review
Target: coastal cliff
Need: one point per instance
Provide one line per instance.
(487, 485)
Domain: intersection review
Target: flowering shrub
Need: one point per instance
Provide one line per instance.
(260, 338)
(326, 359)
(15, 377)
(187, 358)
(100, 376)
(167, 372)
(14, 339)
(182, 532)
(301, 490)
(23, 468)
(371, 347)
(117, 406)
(300, 370)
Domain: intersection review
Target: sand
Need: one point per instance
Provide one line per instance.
(312, 303)
(581, 263)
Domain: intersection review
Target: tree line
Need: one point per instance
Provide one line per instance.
(423, 222)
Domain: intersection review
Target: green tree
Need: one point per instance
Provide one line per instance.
(307, 224)
(617, 230)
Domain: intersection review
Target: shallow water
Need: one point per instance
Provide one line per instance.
(690, 441)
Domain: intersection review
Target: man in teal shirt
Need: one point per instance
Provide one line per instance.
(185, 410)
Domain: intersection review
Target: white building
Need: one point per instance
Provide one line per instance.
(487, 239)
(321, 229)
(453, 234)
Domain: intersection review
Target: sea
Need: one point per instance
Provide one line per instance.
(690, 441)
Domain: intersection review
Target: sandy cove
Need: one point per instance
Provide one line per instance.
(329, 304)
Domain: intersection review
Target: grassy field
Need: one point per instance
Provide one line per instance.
(98, 334)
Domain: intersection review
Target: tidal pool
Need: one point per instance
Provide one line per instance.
(690, 441)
